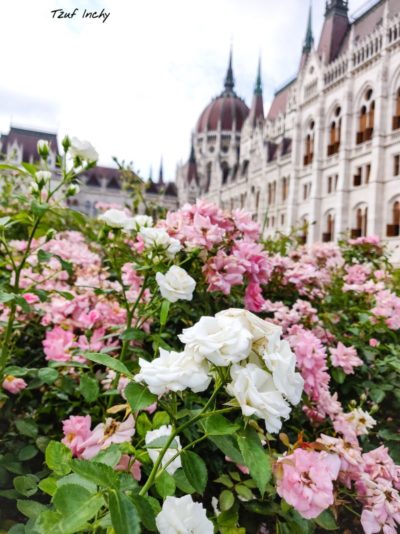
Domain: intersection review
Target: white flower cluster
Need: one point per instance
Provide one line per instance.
(262, 366)
(119, 219)
(176, 284)
(183, 515)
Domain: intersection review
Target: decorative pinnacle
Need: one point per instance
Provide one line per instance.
(161, 173)
(229, 83)
(258, 85)
(309, 40)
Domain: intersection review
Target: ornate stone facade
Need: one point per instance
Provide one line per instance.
(328, 150)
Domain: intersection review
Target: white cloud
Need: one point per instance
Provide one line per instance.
(135, 85)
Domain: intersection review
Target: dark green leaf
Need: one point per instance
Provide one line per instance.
(164, 312)
(44, 256)
(48, 375)
(139, 396)
(27, 453)
(100, 474)
(110, 456)
(326, 520)
(255, 458)
(218, 425)
(6, 297)
(165, 484)
(195, 470)
(27, 427)
(146, 513)
(124, 516)
(70, 497)
(228, 445)
(108, 361)
(89, 388)
(133, 333)
(26, 485)
(30, 508)
(182, 482)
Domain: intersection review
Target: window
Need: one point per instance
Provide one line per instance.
(225, 172)
(367, 172)
(330, 180)
(396, 165)
(282, 219)
(309, 144)
(396, 116)
(334, 133)
(393, 229)
(269, 200)
(285, 188)
(273, 192)
(366, 118)
(361, 223)
(336, 181)
(357, 178)
(329, 234)
(273, 221)
(257, 200)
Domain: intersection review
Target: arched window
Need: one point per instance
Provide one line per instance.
(393, 229)
(208, 176)
(269, 194)
(285, 188)
(335, 132)
(273, 192)
(361, 223)
(329, 234)
(309, 144)
(396, 116)
(225, 172)
(366, 118)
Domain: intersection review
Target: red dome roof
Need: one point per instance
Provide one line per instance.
(227, 109)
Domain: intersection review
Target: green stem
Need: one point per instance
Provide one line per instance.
(189, 446)
(171, 438)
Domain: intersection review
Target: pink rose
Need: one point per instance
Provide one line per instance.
(14, 385)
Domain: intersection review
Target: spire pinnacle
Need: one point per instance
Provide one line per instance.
(258, 85)
(309, 40)
(161, 173)
(192, 157)
(229, 82)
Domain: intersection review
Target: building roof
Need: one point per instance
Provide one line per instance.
(28, 139)
(280, 101)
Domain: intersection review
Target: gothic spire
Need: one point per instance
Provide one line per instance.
(258, 85)
(229, 82)
(309, 40)
(161, 173)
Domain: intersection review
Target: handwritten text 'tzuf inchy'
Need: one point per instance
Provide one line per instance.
(61, 14)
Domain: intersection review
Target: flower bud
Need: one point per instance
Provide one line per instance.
(43, 148)
(42, 178)
(51, 233)
(34, 188)
(66, 143)
(72, 190)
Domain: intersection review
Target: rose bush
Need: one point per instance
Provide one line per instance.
(182, 374)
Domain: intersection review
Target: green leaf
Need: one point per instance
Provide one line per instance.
(228, 445)
(44, 256)
(26, 485)
(6, 297)
(164, 312)
(218, 425)
(226, 500)
(14, 370)
(326, 520)
(182, 482)
(133, 334)
(195, 470)
(143, 424)
(48, 375)
(159, 443)
(100, 474)
(89, 388)
(138, 396)
(75, 479)
(255, 458)
(30, 508)
(27, 453)
(75, 512)
(165, 484)
(124, 516)
(108, 361)
(160, 419)
(110, 456)
(145, 511)
(48, 485)
(27, 427)
(338, 375)
(58, 458)
(377, 395)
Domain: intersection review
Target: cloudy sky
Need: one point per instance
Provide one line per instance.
(135, 85)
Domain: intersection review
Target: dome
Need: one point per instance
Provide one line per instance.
(227, 110)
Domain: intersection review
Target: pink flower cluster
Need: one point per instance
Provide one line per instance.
(305, 480)
(376, 480)
(387, 306)
(345, 357)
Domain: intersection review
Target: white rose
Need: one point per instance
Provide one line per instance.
(281, 361)
(157, 237)
(173, 371)
(83, 150)
(255, 391)
(138, 221)
(114, 218)
(176, 284)
(259, 328)
(164, 430)
(222, 340)
(181, 515)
